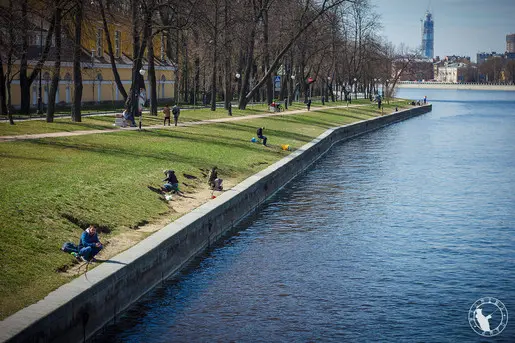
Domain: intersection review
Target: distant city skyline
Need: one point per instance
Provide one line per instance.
(461, 27)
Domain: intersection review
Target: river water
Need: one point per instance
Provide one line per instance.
(391, 237)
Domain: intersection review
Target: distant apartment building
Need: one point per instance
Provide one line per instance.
(481, 57)
(428, 36)
(510, 43)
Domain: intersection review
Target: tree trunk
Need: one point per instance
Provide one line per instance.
(152, 77)
(3, 103)
(77, 74)
(227, 64)
(57, 66)
(117, 79)
(196, 82)
(215, 62)
(248, 68)
(24, 82)
(269, 84)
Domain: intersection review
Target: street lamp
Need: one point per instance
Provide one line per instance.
(328, 87)
(142, 73)
(355, 89)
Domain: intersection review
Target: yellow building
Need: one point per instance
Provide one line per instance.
(97, 76)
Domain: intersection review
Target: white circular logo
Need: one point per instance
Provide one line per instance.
(488, 317)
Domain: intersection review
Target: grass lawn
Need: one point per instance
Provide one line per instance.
(54, 187)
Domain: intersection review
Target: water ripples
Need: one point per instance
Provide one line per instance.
(389, 238)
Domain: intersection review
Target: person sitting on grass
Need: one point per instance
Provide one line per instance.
(89, 244)
(260, 135)
(213, 175)
(172, 184)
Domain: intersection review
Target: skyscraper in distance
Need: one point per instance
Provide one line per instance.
(428, 36)
(510, 43)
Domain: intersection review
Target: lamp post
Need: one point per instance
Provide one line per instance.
(142, 73)
(386, 88)
(328, 88)
(293, 88)
(355, 89)
(229, 109)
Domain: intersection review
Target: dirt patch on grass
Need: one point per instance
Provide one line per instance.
(115, 244)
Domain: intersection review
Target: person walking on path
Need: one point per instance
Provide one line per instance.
(166, 112)
(425, 99)
(308, 104)
(89, 244)
(176, 111)
(260, 135)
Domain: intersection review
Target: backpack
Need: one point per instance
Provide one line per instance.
(175, 111)
(69, 247)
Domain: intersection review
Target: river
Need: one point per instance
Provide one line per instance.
(390, 237)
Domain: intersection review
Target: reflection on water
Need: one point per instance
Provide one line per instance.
(391, 237)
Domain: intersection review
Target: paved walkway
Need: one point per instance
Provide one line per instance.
(202, 122)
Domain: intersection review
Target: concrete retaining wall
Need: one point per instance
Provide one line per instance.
(77, 310)
(462, 86)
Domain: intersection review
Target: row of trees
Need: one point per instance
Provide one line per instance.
(222, 49)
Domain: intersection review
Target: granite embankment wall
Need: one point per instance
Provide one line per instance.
(455, 86)
(79, 309)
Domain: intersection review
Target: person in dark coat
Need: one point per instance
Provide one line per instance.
(176, 112)
(260, 135)
(172, 184)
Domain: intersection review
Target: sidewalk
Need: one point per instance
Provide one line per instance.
(202, 122)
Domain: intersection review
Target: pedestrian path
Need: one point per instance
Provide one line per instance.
(202, 122)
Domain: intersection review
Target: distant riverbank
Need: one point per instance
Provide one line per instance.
(465, 86)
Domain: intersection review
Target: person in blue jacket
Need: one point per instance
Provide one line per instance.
(89, 244)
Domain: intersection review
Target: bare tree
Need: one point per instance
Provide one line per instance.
(77, 74)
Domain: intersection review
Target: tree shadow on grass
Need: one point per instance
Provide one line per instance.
(350, 116)
(130, 151)
(26, 158)
(83, 125)
(112, 151)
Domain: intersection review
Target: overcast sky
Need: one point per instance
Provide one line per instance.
(462, 27)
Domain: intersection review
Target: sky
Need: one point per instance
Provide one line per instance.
(461, 27)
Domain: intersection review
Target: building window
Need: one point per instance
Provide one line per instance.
(117, 39)
(100, 49)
